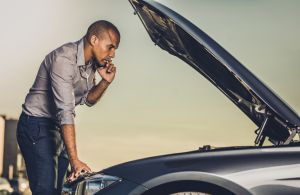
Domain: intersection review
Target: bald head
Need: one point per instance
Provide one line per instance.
(101, 27)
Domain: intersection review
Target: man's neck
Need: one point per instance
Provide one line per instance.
(88, 54)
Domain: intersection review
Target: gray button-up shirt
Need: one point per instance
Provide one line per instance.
(62, 82)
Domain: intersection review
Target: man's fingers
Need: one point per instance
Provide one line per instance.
(71, 177)
(77, 173)
(88, 169)
(82, 170)
(110, 68)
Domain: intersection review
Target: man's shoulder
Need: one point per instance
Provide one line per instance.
(65, 54)
(68, 50)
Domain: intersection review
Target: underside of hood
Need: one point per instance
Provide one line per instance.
(178, 36)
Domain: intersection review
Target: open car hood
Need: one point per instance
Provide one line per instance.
(178, 36)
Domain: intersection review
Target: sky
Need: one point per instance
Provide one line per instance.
(157, 104)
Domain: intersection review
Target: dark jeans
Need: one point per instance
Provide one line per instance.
(44, 153)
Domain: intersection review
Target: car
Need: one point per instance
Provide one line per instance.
(5, 187)
(261, 169)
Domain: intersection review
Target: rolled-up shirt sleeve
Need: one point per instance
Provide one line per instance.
(84, 100)
(62, 75)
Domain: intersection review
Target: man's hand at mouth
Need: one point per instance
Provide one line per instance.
(108, 71)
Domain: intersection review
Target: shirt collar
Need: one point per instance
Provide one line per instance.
(80, 53)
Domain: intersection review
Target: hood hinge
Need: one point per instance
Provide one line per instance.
(260, 138)
(294, 131)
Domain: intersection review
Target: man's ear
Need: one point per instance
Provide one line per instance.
(94, 40)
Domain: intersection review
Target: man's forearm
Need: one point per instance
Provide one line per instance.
(97, 91)
(68, 132)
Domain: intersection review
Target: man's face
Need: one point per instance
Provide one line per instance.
(104, 46)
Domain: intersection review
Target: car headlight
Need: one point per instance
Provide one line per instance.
(95, 183)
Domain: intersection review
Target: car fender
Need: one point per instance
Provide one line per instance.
(199, 177)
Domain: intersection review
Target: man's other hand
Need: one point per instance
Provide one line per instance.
(78, 168)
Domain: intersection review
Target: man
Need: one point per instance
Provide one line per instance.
(66, 78)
